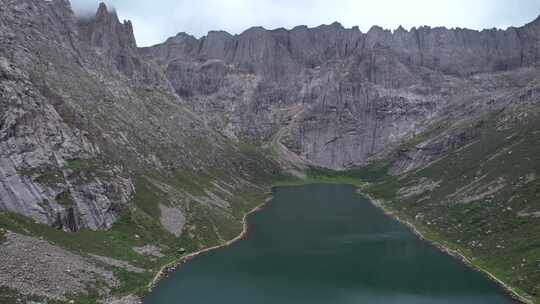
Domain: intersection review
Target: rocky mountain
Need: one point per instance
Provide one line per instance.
(338, 97)
(93, 137)
(77, 98)
(119, 158)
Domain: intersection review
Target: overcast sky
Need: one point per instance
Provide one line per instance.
(156, 20)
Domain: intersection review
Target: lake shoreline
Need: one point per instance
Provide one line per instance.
(167, 269)
(454, 253)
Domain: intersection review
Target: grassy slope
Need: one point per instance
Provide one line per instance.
(483, 205)
(479, 207)
(139, 228)
(206, 226)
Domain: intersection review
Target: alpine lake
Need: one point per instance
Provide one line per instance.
(326, 244)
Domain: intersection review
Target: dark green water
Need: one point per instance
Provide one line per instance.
(325, 244)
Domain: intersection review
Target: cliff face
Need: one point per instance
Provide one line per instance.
(84, 116)
(37, 140)
(453, 51)
(115, 43)
(338, 97)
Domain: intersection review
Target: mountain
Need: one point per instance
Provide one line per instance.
(93, 138)
(338, 97)
(118, 159)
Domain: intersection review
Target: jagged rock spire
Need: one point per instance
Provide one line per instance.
(106, 31)
(113, 39)
(102, 10)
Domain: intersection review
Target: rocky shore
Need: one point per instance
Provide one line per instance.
(35, 267)
(452, 252)
(166, 270)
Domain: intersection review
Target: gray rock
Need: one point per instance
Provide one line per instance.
(82, 111)
(131, 299)
(338, 97)
(53, 273)
(117, 263)
(149, 250)
(172, 219)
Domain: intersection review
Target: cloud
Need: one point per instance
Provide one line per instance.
(156, 20)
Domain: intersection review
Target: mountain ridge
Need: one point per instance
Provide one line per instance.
(291, 59)
(356, 27)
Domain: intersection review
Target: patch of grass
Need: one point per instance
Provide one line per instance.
(373, 173)
(65, 199)
(195, 184)
(207, 227)
(85, 170)
(10, 296)
(148, 197)
(91, 297)
(431, 132)
(79, 165)
(132, 230)
(132, 283)
(48, 176)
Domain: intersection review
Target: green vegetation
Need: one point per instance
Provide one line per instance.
(375, 172)
(10, 296)
(84, 170)
(486, 201)
(206, 225)
(147, 197)
(134, 229)
(481, 200)
(113, 243)
(48, 176)
(132, 283)
(65, 199)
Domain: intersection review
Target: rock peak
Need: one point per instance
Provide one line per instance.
(107, 32)
(336, 24)
(255, 29)
(104, 13)
(376, 29)
(102, 9)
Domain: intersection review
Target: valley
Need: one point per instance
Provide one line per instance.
(116, 160)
